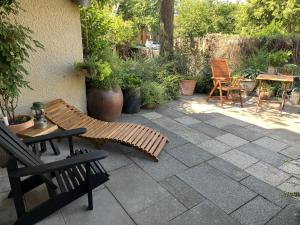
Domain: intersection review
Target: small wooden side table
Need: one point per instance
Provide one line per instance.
(285, 79)
(33, 132)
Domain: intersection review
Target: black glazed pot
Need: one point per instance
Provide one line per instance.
(132, 100)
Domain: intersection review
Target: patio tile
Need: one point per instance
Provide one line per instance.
(271, 144)
(243, 132)
(184, 193)
(232, 140)
(291, 185)
(238, 158)
(152, 115)
(187, 120)
(205, 116)
(214, 147)
(207, 129)
(205, 214)
(129, 118)
(223, 121)
(165, 167)
(116, 159)
(292, 152)
(3, 172)
(7, 210)
(268, 173)
(135, 189)
(172, 113)
(228, 169)
(292, 167)
(258, 212)
(159, 213)
(220, 189)
(258, 129)
(106, 211)
(4, 184)
(267, 191)
(263, 154)
(190, 154)
(54, 219)
(285, 217)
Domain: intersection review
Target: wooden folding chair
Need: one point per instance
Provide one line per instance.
(223, 81)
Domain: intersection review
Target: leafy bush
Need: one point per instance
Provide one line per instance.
(152, 93)
(250, 73)
(131, 81)
(279, 58)
(258, 60)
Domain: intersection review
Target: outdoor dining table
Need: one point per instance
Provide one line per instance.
(285, 79)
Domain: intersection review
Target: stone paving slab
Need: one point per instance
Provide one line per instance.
(258, 211)
(190, 154)
(159, 213)
(207, 129)
(286, 217)
(271, 144)
(292, 152)
(220, 189)
(187, 120)
(267, 191)
(268, 173)
(264, 154)
(134, 189)
(223, 121)
(239, 158)
(292, 167)
(165, 167)
(4, 184)
(231, 140)
(169, 112)
(228, 169)
(106, 211)
(243, 132)
(291, 185)
(7, 210)
(205, 214)
(184, 193)
(214, 147)
(152, 115)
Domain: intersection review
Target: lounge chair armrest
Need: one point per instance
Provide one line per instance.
(61, 164)
(55, 135)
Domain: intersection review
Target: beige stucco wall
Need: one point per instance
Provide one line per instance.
(56, 24)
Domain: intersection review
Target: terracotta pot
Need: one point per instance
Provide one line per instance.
(265, 95)
(187, 87)
(16, 128)
(104, 104)
(248, 85)
(150, 106)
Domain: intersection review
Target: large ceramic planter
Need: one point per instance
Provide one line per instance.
(132, 100)
(104, 104)
(187, 87)
(248, 85)
(16, 128)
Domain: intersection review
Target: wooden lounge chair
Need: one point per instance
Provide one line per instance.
(223, 81)
(66, 180)
(145, 139)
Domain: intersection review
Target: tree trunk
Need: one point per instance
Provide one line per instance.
(166, 26)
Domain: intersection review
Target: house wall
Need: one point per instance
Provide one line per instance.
(56, 24)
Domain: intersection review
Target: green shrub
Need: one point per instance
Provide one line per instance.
(249, 73)
(258, 60)
(279, 58)
(131, 81)
(152, 93)
(170, 83)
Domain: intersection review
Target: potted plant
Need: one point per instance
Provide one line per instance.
(187, 85)
(132, 94)
(16, 42)
(104, 95)
(248, 76)
(278, 59)
(266, 91)
(153, 95)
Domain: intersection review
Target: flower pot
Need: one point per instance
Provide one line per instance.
(132, 100)
(248, 85)
(150, 106)
(265, 95)
(104, 104)
(272, 70)
(295, 97)
(16, 128)
(187, 87)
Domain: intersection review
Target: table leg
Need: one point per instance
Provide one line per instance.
(54, 147)
(284, 92)
(259, 90)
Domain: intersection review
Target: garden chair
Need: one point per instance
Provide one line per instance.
(223, 81)
(66, 180)
(145, 139)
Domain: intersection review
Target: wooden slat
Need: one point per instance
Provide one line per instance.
(77, 174)
(141, 135)
(72, 177)
(155, 144)
(115, 132)
(160, 147)
(66, 180)
(60, 182)
(143, 143)
(149, 145)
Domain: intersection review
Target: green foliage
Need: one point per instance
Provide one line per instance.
(131, 81)
(199, 17)
(16, 42)
(250, 73)
(279, 58)
(152, 93)
(257, 60)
